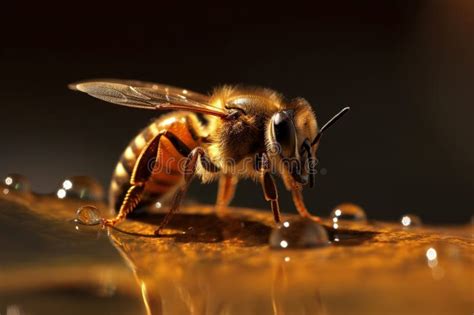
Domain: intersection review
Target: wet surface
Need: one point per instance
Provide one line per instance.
(226, 263)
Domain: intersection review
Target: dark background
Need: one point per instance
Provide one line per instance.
(405, 68)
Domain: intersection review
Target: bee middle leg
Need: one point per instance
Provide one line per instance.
(189, 172)
(225, 191)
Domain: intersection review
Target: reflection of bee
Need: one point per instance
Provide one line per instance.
(235, 132)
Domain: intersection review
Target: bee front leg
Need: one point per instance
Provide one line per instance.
(189, 172)
(268, 184)
(271, 194)
(300, 206)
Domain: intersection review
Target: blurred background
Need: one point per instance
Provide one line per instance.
(405, 67)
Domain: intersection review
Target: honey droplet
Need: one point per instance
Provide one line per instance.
(348, 212)
(302, 233)
(88, 215)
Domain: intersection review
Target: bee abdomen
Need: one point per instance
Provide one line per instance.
(177, 138)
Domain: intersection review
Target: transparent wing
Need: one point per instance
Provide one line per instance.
(148, 95)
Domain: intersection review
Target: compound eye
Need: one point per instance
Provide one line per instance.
(284, 132)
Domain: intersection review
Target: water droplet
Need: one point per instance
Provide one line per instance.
(410, 220)
(88, 215)
(81, 187)
(347, 212)
(17, 183)
(300, 233)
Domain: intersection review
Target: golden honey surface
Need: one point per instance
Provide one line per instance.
(235, 262)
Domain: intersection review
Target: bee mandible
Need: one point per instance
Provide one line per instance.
(234, 133)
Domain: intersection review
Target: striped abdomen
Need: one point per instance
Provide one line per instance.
(175, 135)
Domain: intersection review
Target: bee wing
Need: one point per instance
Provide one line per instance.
(148, 95)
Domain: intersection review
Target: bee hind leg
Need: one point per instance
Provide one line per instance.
(140, 175)
(131, 200)
(189, 172)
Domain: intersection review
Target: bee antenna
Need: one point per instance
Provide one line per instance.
(329, 124)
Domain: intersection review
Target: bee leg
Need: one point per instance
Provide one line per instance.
(271, 194)
(189, 172)
(226, 191)
(268, 184)
(300, 206)
(131, 200)
(141, 173)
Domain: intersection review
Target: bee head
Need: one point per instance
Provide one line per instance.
(294, 138)
(289, 131)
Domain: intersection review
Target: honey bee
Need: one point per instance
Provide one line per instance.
(234, 133)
